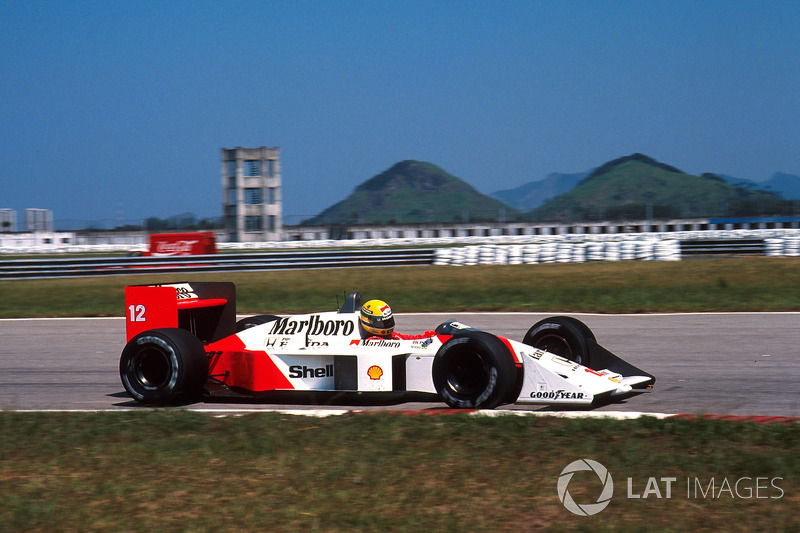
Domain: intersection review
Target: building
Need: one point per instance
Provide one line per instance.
(8, 221)
(251, 194)
(38, 220)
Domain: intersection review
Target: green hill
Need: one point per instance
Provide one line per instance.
(638, 186)
(412, 192)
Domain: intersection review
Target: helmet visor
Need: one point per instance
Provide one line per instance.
(380, 322)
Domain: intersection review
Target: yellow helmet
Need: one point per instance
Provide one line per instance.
(376, 318)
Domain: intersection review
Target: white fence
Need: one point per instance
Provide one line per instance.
(518, 249)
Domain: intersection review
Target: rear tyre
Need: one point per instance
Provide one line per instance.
(164, 366)
(253, 321)
(564, 336)
(474, 370)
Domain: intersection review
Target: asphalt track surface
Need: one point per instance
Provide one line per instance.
(745, 364)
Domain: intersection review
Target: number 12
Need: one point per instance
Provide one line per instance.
(136, 313)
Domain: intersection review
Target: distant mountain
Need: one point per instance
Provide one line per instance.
(638, 186)
(739, 182)
(412, 192)
(633, 187)
(787, 186)
(535, 193)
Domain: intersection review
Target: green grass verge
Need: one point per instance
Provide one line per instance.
(165, 470)
(740, 284)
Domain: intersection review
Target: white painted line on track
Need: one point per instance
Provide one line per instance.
(298, 412)
(321, 413)
(617, 415)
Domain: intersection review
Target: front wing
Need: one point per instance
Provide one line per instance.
(549, 378)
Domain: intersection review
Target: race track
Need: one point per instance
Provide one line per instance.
(727, 364)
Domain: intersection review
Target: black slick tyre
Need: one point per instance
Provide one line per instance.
(474, 370)
(164, 366)
(564, 336)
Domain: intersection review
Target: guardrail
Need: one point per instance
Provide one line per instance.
(76, 267)
(486, 250)
(723, 246)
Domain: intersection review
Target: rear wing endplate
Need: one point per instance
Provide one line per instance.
(207, 309)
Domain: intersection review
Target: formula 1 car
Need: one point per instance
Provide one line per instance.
(184, 343)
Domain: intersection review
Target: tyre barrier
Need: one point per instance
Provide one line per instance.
(559, 252)
(783, 247)
(513, 250)
(603, 249)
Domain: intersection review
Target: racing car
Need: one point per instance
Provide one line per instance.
(184, 344)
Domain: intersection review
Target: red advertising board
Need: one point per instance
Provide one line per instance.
(171, 244)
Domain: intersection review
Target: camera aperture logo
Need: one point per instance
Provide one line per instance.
(697, 488)
(585, 509)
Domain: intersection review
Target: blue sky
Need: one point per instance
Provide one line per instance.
(118, 110)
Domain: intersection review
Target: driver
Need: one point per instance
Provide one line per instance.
(376, 320)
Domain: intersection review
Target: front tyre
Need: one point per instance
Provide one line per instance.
(164, 366)
(474, 370)
(564, 336)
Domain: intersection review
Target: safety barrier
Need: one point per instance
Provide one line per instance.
(560, 252)
(572, 248)
(75, 267)
(777, 236)
(723, 246)
(786, 246)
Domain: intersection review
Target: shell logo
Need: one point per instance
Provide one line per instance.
(375, 372)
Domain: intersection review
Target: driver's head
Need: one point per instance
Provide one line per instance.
(376, 318)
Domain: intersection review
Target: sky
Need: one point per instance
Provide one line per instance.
(117, 110)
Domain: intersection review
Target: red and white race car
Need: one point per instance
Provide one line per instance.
(184, 343)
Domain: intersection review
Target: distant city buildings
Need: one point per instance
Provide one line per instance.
(36, 220)
(251, 194)
(8, 220)
(251, 199)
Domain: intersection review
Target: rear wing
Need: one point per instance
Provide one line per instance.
(207, 309)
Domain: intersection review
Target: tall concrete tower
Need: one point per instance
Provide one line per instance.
(8, 220)
(251, 194)
(38, 220)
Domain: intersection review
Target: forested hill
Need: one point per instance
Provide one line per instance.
(638, 186)
(630, 187)
(412, 192)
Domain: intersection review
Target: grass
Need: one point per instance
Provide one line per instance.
(741, 284)
(169, 470)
